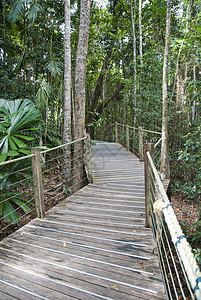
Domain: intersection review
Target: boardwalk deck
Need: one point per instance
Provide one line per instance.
(92, 246)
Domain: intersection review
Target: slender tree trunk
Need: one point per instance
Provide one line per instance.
(133, 11)
(80, 70)
(80, 74)
(194, 92)
(67, 95)
(180, 90)
(140, 30)
(165, 165)
(180, 50)
(4, 18)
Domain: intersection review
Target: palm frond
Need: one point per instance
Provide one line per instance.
(33, 11)
(16, 11)
(55, 68)
(44, 93)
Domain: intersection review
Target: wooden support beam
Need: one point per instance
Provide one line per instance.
(141, 152)
(38, 185)
(87, 158)
(148, 147)
(127, 138)
(116, 133)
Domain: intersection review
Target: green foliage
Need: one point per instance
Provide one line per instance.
(43, 94)
(197, 234)
(16, 120)
(197, 255)
(190, 157)
(9, 199)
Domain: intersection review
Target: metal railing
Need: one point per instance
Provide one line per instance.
(180, 271)
(181, 274)
(30, 184)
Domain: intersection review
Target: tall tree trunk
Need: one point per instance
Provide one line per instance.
(194, 92)
(140, 30)
(165, 165)
(80, 74)
(99, 85)
(180, 90)
(133, 11)
(4, 18)
(67, 95)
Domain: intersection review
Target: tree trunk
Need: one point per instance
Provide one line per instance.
(80, 74)
(67, 96)
(140, 30)
(194, 92)
(133, 11)
(165, 165)
(98, 88)
(180, 90)
(4, 18)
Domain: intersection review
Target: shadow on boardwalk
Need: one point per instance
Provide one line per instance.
(93, 245)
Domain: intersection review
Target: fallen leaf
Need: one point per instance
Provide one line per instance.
(114, 287)
(143, 265)
(22, 233)
(63, 204)
(64, 245)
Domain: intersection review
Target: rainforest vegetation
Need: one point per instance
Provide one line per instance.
(121, 62)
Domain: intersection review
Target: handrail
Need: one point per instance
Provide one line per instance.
(155, 145)
(15, 160)
(35, 183)
(138, 144)
(145, 130)
(132, 127)
(178, 238)
(175, 254)
(61, 146)
(42, 152)
(151, 131)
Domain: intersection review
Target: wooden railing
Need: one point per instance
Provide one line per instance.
(179, 268)
(181, 273)
(39, 180)
(139, 135)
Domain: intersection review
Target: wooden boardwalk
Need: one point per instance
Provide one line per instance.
(92, 246)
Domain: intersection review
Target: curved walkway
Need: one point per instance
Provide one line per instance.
(93, 245)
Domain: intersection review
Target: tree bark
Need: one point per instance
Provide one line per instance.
(133, 12)
(80, 74)
(4, 18)
(67, 96)
(80, 70)
(165, 165)
(140, 30)
(98, 88)
(133, 9)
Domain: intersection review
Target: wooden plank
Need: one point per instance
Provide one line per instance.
(78, 265)
(66, 276)
(93, 245)
(73, 248)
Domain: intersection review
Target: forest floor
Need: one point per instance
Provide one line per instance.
(186, 211)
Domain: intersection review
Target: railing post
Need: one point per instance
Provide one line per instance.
(87, 158)
(116, 132)
(141, 152)
(148, 147)
(127, 138)
(38, 185)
